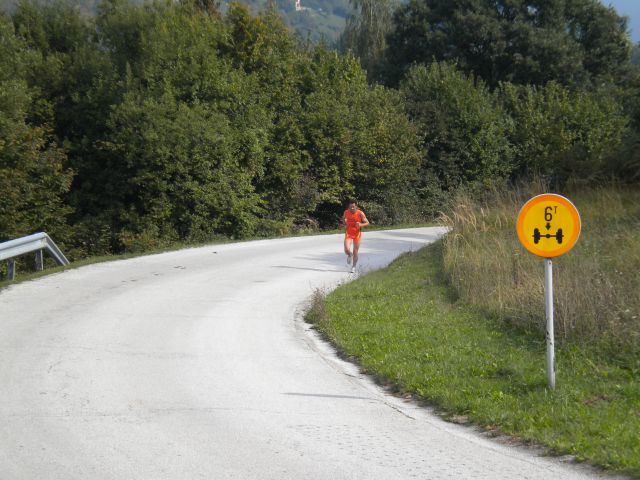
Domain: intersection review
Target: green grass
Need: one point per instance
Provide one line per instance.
(405, 326)
(596, 284)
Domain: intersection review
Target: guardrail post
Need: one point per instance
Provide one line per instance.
(38, 242)
(11, 269)
(39, 261)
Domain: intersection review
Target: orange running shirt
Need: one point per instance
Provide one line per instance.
(351, 219)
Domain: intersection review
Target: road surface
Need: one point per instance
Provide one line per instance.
(195, 364)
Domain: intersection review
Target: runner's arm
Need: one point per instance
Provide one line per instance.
(363, 220)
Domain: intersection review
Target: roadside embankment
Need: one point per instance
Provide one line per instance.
(458, 324)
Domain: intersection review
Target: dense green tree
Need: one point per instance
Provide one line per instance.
(76, 85)
(329, 103)
(263, 47)
(387, 165)
(181, 122)
(519, 41)
(58, 32)
(186, 176)
(58, 26)
(563, 134)
(210, 7)
(366, 31)
(323, 145)
(34, 179)
(188, 137)
(357, 136)
(463, 126)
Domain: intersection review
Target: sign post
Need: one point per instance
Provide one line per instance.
(548, 226)
(548, 310)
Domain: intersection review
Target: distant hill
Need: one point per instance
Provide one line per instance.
(317, 19)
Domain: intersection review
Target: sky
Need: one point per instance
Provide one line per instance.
(630, 8)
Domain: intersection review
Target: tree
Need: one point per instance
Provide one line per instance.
(266, 49)
(185, 146)
(210, 7)
(464, 129)
(561, 133)
(181, 124)
(366, 31)
(388, 160)
(358, 137)
(521, 41)
(34, 179)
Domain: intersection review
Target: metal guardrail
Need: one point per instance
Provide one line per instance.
(38, 242)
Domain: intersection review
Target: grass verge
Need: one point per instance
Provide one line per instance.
(596, 284)
(405, 326)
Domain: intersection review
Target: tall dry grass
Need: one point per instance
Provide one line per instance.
(596, 284)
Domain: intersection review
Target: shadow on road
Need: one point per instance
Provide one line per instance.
(373, 247)
(309, 268)
(423, 237)
(325, 395)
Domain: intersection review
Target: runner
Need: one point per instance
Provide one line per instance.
(353, 220)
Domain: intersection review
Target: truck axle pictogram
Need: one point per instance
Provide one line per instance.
(537, 236)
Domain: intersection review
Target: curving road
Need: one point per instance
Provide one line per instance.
(195, 365)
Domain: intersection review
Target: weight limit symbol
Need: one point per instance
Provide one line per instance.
(549, 211)
(537, 236)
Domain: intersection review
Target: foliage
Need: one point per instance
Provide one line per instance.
(625, 165)
(358, 133)
(319, 20)
(571, 42)
(465, 129)
(187, 139)
(563, 134)
(366, 31)
(34, 178)
(182, 123)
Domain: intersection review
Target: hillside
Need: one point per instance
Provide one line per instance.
(317, 19)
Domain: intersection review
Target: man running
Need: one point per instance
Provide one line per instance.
(353, 220)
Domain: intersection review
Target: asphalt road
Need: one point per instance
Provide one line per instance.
(195, 364)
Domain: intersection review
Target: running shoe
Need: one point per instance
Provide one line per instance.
(349, 259)
(353, 269)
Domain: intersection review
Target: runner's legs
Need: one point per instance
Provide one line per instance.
(347, 245)
(356, 247)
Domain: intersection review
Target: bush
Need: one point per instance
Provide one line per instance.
(562, 134)
(464, 129)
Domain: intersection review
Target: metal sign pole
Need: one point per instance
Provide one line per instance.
(548, 307)
(540, 216)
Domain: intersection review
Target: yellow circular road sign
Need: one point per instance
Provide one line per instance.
(548, 225)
